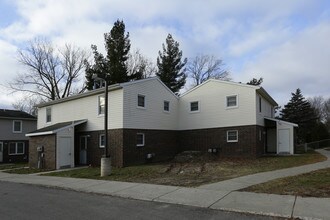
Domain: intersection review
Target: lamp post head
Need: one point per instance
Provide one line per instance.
(94, 76)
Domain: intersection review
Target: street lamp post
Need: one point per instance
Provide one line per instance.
(105, 159)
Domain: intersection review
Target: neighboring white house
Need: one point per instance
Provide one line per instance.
(147, 121)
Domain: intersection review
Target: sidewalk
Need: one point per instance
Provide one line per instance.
(215, 196)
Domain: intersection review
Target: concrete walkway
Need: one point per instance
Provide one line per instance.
(215, 196)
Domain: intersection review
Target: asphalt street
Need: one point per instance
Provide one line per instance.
(22, 201)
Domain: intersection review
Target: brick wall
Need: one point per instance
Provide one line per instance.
(162, 143)
(49, 144)
(248, 144)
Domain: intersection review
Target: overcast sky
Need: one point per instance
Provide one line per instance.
(285, 42)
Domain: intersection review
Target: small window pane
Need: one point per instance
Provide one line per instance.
(141, 101)
(102, 140)
(101, 105)
(166, 106)
(232, 136)
(20, 148)
(231, 101)
(193, 106)
(17, 126)
(260, 104)
(48, 114)
(12, 148)
(140, 139)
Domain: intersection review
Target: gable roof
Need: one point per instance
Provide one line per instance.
(53, 129)
(260, 90)
(101, 90)
(15, 114)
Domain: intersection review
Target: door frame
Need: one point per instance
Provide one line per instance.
(85, 139)
(1, 151)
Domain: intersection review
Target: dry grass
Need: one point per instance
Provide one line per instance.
(315, 184)
(195, 170)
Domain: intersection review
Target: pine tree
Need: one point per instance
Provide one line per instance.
(298, 110)
(113, 65)
(170, 66)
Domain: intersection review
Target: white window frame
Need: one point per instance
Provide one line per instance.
(168, 106)
(100, 141)
(198, 105)
(16, 147)
(143, 140)
(236, 136)
(144, 101)
(21, 125)
(234, 106)
(50, 110)
(99, 106)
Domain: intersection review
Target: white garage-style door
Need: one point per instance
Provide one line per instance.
(1, 152)
(283, 140)
(64, 152)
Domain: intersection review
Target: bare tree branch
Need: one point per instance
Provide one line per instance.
(204, 67)
(51, 73)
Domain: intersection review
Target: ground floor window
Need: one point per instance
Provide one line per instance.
(232, 136)
(140, 139)
(16, 148)
(101, 140)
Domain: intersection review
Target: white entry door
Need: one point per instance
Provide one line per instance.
(283, 140)
(1, 152)
(83, 150)
(64, 152)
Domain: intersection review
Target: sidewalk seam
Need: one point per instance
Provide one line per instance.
(165, 194)
(219, 199)
(293, 206)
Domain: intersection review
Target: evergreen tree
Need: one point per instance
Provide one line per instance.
(170, 66)
(255, 82)
(113, 65)
(298, 110)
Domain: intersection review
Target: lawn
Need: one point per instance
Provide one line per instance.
(26, 170)
(7, 166)
(195, 170)
(315, 184)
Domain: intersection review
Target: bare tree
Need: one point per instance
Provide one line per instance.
(319, 105)
(51, 73)
(27, 104)
(139, 67)
(204, 67)
(255, 82)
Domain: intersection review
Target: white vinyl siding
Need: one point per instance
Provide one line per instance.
(152, 116)
(87, 108)
(215, 113)
(266, 109)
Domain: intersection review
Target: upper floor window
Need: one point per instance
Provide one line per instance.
(141, 101)
(194, 106)
(166, 106)
(232, 136)
(17, 126)
(139, 139)
(16, 148)
(260, 109)
(101, 104)
(231, 101)
(48, 114)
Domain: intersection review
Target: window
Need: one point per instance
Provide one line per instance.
(17, 126)
(166, 106)
(232, 101)
(232, 136)
(16, 148)
(194, 106)
(101, 105)
(101, 140)
(271, 112)
(260, 135)
(140, 139)
(260, 104)
(141, 101)
(48, 114)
